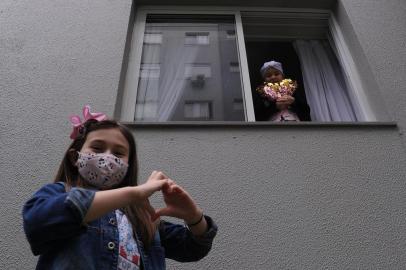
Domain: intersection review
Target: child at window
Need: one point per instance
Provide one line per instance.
(96, 216)
(286, 107)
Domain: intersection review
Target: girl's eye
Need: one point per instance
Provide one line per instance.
(97, 149)
(119, 154)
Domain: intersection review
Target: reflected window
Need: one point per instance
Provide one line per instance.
(238, 104)
(197, 110)
(230, 34)
(153, 38)
(197, 38)
(234, 67)
(149, 71)
(196, 70)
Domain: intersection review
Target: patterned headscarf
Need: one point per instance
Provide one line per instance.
(270, 64)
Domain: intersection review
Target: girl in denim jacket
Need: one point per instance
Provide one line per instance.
(96, 216)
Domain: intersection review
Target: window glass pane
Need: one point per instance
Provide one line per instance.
(189, 70)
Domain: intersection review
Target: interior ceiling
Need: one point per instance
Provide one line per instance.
(276, 25)
(317, 4)
(285, 25)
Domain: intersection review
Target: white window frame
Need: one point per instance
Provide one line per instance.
(337, 39)
(351, 72)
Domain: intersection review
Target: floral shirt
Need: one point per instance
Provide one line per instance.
(129, 256)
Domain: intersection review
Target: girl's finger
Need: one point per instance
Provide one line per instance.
(177, 189)
(161, 175)
(168, 187)
(159, 185)
(163, 212)
(171, 182)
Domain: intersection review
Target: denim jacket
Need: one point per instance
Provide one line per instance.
(53, 224)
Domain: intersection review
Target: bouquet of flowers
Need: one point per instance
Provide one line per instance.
(273, 91)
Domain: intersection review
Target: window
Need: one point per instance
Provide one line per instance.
(183, 58)
(197, 38)
(153, 38)
(198, 110)
(230, 34)
(204, 64)
(234, 67)
(149, 71)
(197, 70)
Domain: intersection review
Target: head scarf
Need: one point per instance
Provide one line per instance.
(271, 64)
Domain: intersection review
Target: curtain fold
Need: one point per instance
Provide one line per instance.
(325, 87)
(164, 73)
(173, 81)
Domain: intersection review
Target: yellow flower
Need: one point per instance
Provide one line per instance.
(285, 82)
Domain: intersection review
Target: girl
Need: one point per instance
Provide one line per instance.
(286, 108)
(95, 216)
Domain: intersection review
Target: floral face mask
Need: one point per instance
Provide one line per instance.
(101, 170)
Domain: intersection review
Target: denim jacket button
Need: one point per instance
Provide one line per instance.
(112, 221)
(111, 245)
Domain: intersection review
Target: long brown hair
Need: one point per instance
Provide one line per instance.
(68, 173)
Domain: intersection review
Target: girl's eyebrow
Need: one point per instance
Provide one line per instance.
(97, 141)
(120, 147)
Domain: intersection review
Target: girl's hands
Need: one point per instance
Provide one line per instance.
(179, 204)
(284, 102)
(156, 181)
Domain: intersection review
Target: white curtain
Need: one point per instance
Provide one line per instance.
(164, 74)
(325, 87)
(173, 80)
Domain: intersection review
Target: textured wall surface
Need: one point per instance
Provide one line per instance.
(55, 56)
(286, 197)
(300, 198)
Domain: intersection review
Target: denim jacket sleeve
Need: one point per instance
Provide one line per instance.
(181, 245)
(53, 215)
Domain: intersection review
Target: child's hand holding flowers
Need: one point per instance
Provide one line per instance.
(280, 92)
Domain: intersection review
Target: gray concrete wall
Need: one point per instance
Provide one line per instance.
(290, 198)
(286, 197)
(55, 56)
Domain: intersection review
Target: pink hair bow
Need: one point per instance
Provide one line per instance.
(87, 115)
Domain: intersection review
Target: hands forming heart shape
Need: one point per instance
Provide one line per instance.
(179, 203)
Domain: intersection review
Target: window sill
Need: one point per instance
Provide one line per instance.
(259, 124)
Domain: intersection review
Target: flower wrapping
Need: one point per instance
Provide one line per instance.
(274, 91)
